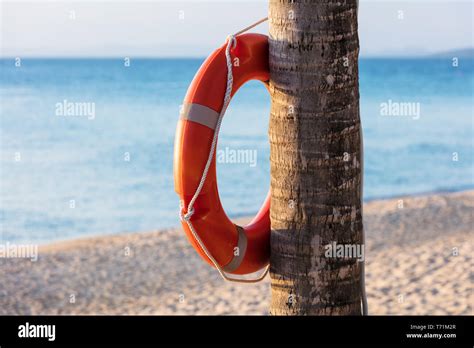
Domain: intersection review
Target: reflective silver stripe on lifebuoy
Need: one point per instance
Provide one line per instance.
(200, 114)
(241, 249)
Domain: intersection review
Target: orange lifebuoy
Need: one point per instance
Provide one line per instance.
(237, 250)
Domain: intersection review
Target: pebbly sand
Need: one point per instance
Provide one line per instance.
(418, 261)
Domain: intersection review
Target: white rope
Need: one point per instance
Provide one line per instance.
(231, 41)
(251, 26)
(365, 306)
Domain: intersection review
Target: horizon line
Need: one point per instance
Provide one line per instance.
(431, 56)
(464, 51)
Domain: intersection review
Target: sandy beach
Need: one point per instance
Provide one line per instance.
(418, 261)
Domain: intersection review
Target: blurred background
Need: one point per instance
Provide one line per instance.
(110, 171)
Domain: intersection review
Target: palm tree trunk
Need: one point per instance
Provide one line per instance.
(316, 160)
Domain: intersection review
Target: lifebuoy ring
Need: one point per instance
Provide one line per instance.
(237, 250)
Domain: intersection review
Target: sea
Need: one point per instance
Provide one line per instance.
(86, 145)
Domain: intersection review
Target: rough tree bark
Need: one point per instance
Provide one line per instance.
(315, 146)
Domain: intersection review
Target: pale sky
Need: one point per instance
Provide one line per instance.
(194, 28)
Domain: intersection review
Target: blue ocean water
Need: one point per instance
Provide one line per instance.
(72, 176)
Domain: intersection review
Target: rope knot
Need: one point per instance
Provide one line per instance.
(232, 40)
(185, 216)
